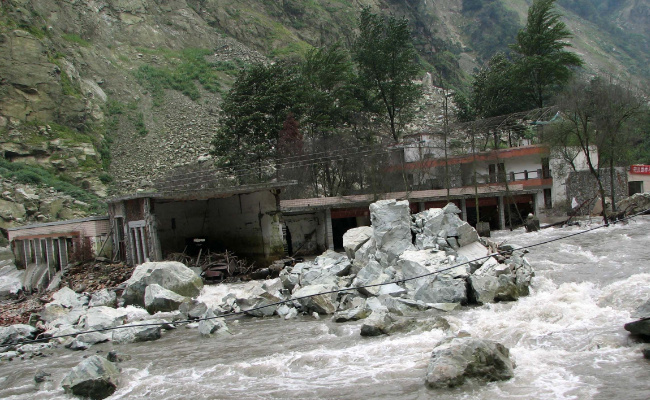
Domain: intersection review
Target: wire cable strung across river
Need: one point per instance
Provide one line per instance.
(243, 312)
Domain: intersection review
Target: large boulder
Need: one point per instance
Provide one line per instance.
(312, 301)
(141, 331)
(85, 340)
(157, 298)
(103, 317)
(378, 323)
(457, 359)
(103, 297)
(354, 238)
(391, 223)
(69, 298)
(17, 333)
(95, 377)
(442, 289)
(170, 275)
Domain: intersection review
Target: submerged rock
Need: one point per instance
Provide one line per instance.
(458, 359)
(640, 327)
(95, 377)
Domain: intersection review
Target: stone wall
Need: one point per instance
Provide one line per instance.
(583, 186)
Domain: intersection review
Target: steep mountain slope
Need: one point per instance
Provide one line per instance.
(129, 89)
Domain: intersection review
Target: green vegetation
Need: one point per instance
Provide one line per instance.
(34, 175)
(387, 64)
(491, 28)
(538, 67)
(322, 103)
(75, 38)
(188, 67)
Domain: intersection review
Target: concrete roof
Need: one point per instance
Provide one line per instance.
(55, 223)
(302, 205)
(212, 193)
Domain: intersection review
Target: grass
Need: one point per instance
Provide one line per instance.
(34, 175)
(75, 38)
(189, 66)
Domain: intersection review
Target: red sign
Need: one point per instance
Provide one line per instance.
(640, 169)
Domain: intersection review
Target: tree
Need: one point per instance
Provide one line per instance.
(387, 65)
(494, 91)
(617, 107)
(596, 116)
(253, 114)
(542, 65)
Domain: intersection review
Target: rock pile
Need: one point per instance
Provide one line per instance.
(403, 263)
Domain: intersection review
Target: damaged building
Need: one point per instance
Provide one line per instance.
(245, 220)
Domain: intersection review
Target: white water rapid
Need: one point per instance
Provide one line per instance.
(567, 339)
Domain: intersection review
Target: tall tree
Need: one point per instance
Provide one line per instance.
(542, 64)
(387, 64)
(253, 114)
(597, 115)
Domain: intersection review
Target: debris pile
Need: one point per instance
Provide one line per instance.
(214, 266)
(94, 276)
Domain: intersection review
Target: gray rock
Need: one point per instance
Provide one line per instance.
(371, 274)
(95, 377)
(171, 275)
(451, 208)
(351, 314)
(354, 238)
(208, 327)
(363, 256)
(104, 298)
(442, 290)
(466, 234)
(483, 288)
(457, 359)
(17, 333)
(141, 331)
(159, 299)
(193, 309)
(508, 289)
(85, 340)
(311, 301)
(641, 327)
(69, 298)
(391, 223)
(103, 317)
(378, 323)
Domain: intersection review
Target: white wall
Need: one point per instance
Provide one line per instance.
(302, 226)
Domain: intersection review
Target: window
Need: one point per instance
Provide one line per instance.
(634, 187)
(548, 203)
(497, 172)
(546, 168)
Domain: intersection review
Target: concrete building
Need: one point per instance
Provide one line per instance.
(245, 220)
(45, 249)
(510, 184)
(638, 179)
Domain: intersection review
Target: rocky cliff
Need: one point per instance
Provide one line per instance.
(106, 93)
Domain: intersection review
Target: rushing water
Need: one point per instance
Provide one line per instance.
(567, 339)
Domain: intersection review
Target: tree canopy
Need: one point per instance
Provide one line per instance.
(537, 68)
(387, 65)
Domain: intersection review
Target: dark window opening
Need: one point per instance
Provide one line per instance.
(634, 187)
(548, 202)
(339, 227)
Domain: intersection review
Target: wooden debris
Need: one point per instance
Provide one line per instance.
(215, 266)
